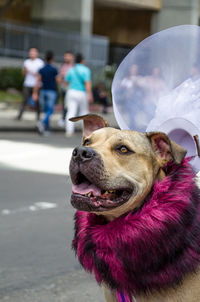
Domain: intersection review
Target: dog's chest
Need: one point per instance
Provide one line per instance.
(176, 297)
(188, 291)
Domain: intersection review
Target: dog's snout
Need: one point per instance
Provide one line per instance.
(83, 154)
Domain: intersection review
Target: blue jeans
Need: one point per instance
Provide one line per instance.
(47, 99)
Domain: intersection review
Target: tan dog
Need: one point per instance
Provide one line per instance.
(121, 167)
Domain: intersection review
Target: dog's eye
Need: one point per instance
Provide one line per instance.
(86, 142)
(123, 149)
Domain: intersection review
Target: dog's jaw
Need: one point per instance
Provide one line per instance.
(93, 190)
(133, 203)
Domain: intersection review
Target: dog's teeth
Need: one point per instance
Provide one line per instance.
(109, 192)
(89, 194)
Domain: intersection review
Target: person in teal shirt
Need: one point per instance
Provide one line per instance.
(77, 76)
(79, 92)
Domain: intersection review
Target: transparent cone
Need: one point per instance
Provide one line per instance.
(157, 87)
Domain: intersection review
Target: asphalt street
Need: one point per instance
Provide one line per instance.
(36, 222)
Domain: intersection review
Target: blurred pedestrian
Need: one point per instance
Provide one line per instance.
(30, 71)
(101, 96)
(68, 63)
(79, 92)
(195, 72)
(48, 93)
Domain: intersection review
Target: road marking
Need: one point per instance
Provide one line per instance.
(37, 206)
(35, 157)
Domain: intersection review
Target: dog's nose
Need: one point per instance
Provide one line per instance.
(83, 154)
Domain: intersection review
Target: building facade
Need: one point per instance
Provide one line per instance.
(124, 22)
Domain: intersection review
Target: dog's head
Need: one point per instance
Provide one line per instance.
(114, 170)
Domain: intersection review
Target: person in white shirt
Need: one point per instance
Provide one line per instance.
(30, 70)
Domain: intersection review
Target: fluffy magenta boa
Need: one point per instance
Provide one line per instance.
(148, 249)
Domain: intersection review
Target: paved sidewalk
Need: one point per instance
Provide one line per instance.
(28, 122)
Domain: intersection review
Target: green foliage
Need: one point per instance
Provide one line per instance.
(10, 98)
(11, 77)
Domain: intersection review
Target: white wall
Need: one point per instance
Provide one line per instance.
(64, 14)
(175, 12)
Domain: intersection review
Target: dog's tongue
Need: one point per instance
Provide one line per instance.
(86, 188)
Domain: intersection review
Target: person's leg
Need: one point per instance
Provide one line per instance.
(104, 102)
(61, 122)
(41, 102)
(64, 113)
(51, 96)
(37, 108)
(72, 105)
(27, 92)
(83, 103)
(64, 108)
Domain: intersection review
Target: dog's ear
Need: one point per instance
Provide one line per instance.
(165, 149)
(91, 122)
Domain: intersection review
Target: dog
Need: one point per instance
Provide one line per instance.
(137, 224)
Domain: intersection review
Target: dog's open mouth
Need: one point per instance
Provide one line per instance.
(87, 196)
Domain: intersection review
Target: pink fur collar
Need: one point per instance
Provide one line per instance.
(151, 248)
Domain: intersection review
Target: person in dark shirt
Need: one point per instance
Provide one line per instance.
(101, 96)
(48, 93)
